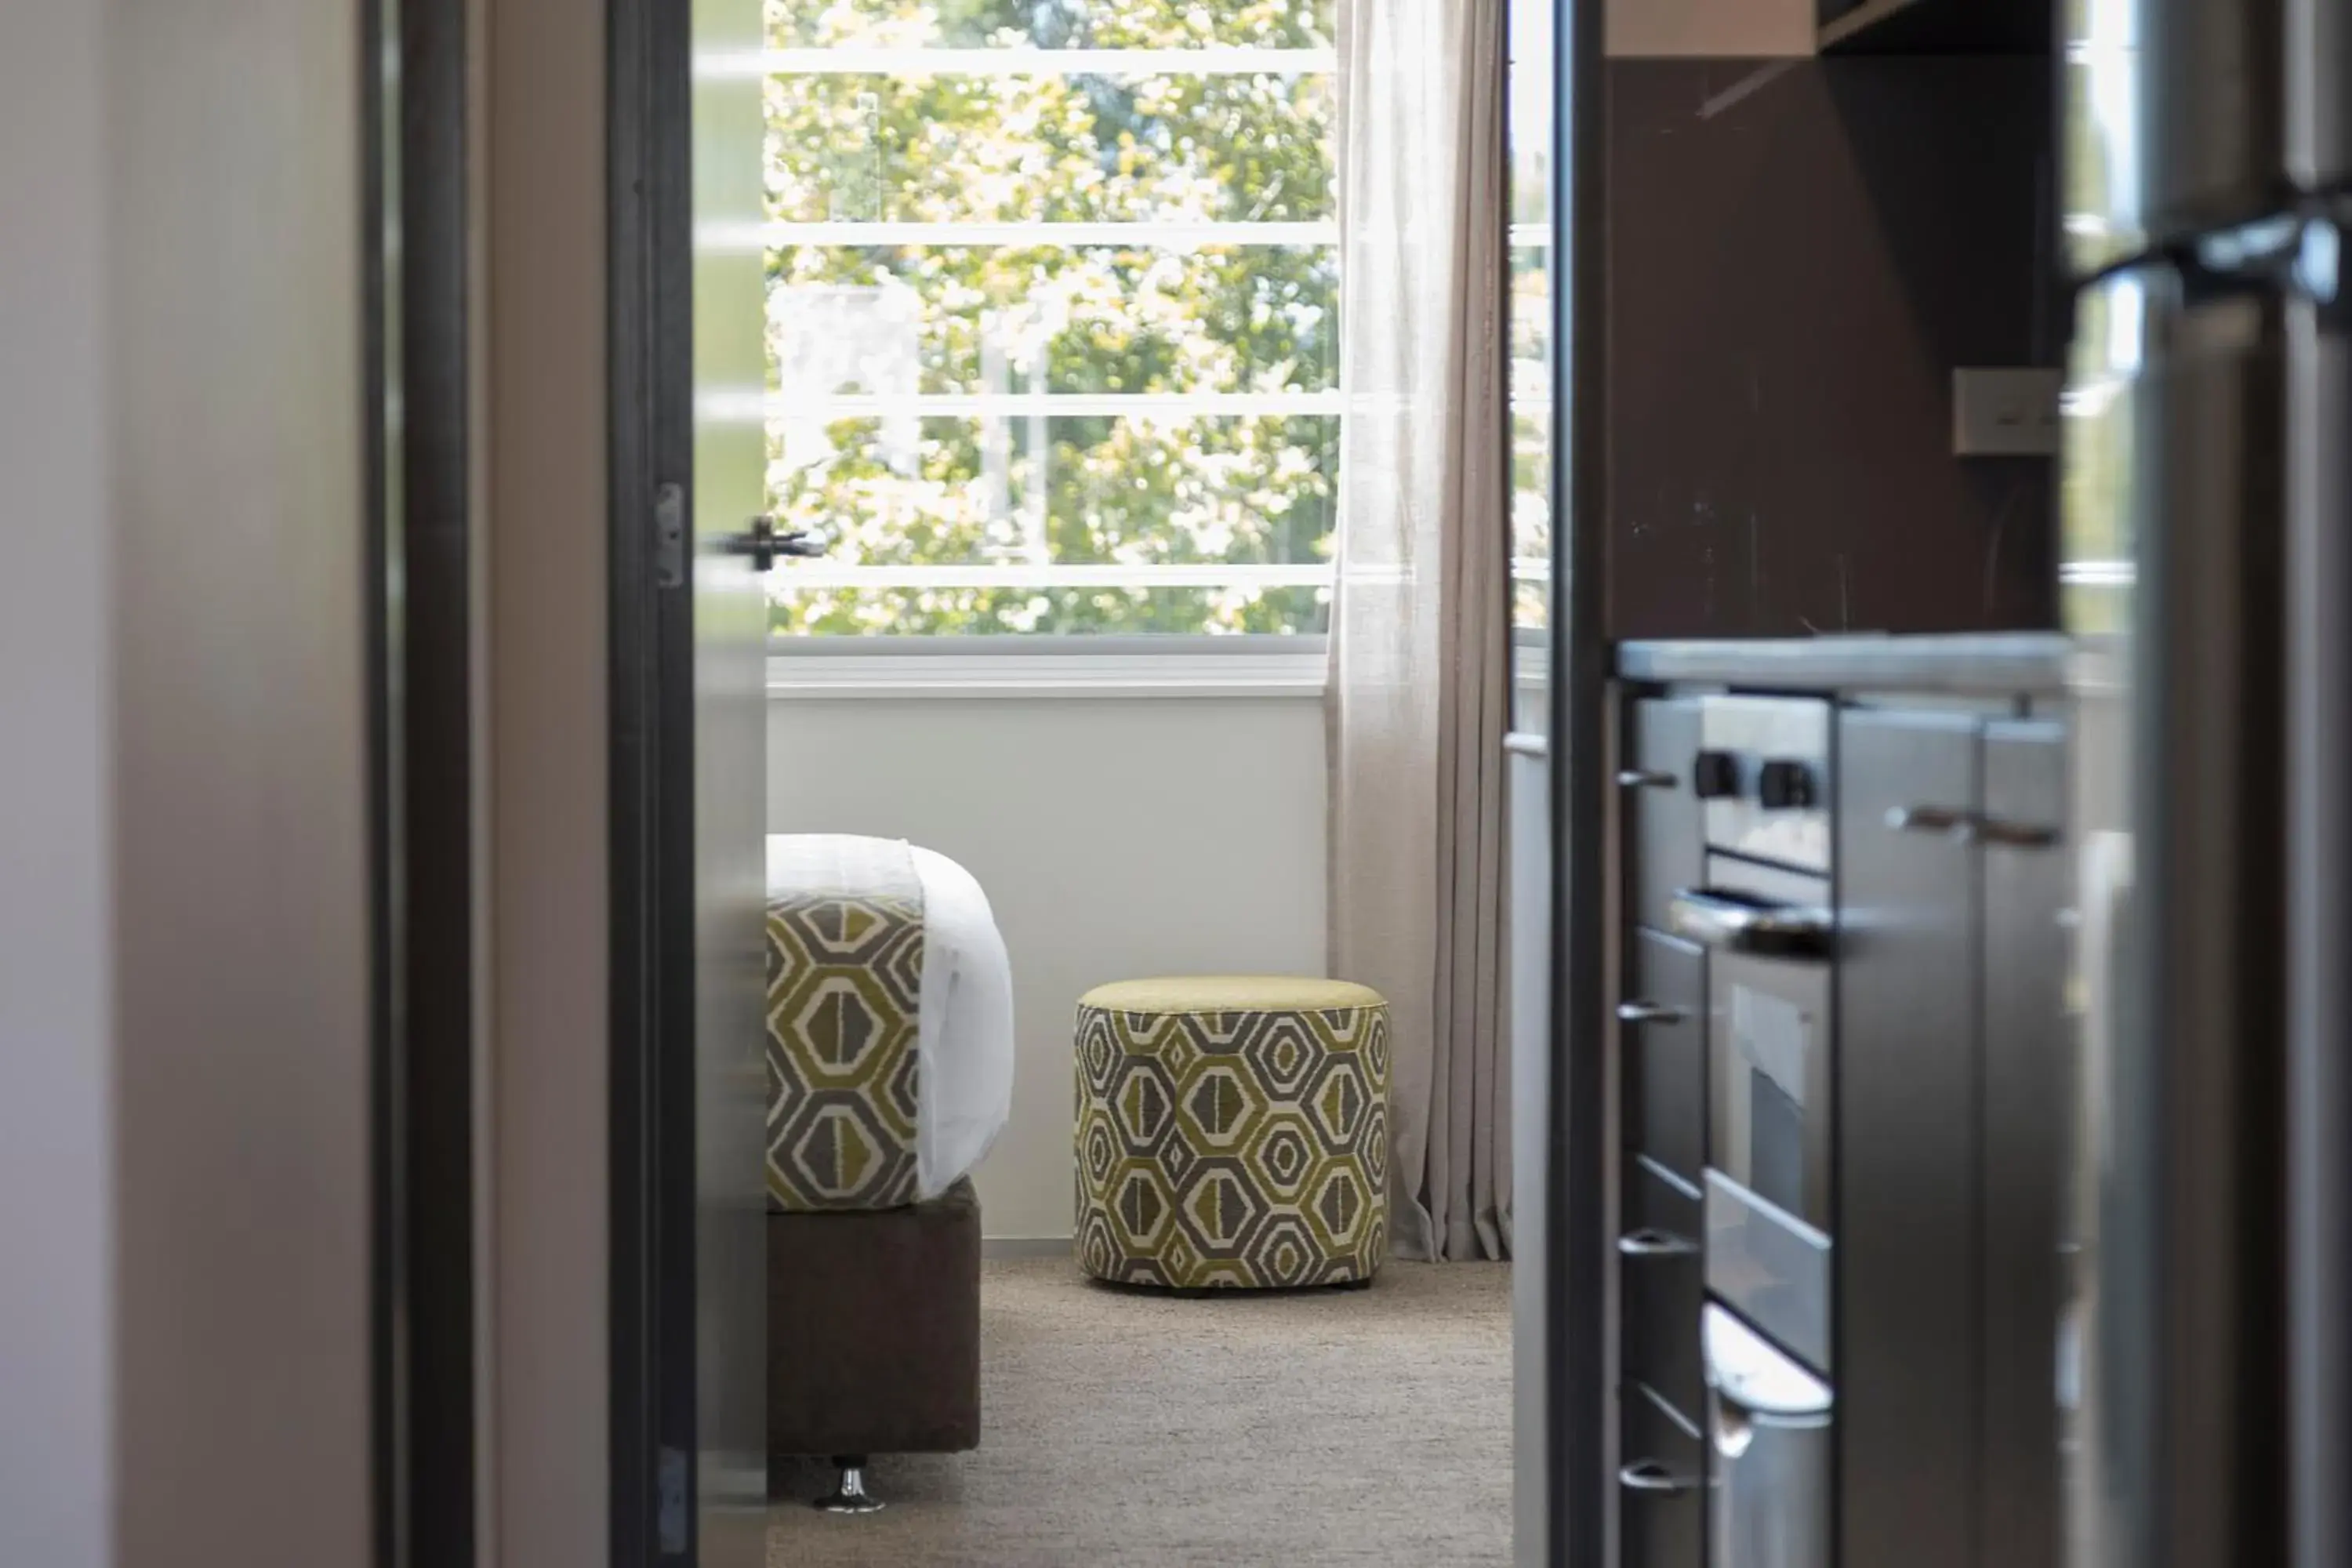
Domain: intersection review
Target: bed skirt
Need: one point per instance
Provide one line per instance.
(874, 1328)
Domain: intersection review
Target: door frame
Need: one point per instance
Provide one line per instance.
(1579, 1401)
(651, 787)
(651, 791)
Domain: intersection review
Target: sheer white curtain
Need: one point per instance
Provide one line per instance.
(1419, 627)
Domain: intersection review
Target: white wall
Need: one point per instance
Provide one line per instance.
(240, 780)
(544, 332)
(57, 1216)
(1117, 837)
(183, 900)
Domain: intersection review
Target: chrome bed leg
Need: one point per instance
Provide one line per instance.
(849, 1494)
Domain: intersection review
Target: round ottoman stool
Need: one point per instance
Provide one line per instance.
(1232, 1133)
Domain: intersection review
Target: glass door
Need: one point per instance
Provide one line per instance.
(727, 707)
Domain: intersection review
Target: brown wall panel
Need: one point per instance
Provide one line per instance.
(1801, 252)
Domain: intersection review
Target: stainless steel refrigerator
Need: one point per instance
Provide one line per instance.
(2207, 151)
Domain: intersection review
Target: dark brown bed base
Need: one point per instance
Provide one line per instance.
(873, 1330)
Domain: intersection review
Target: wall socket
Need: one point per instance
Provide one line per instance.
(2005, 412)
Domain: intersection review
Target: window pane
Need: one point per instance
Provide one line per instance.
(1053, 24)
(1530, 518)
(1094, 490)
(1531, 110)
(1531, 323)
(1530, 129)
(963, 148)
(2098, 466)
(1531, 433)
(1053, 290)
(998, 319)
(1018, 611)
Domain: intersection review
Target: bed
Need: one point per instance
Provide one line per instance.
(890, 1074)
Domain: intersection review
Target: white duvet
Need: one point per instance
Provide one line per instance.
(964, 1031)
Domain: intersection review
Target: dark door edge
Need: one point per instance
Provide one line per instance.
(420, 548)
(1576, 1283)
(388, 1358)
(653, 1452)
(631, 718)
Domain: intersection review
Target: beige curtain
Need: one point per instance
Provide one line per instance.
(1419, 616)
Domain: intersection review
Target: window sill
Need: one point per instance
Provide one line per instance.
(1189, 667)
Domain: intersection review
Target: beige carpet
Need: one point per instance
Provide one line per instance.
(1131, 1431)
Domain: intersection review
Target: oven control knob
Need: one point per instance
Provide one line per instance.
(1784, 784)
(1715, 775)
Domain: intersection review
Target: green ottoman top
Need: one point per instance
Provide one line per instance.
(1231, 994)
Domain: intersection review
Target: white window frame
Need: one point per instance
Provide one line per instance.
(1044, 664)
(1082, 665)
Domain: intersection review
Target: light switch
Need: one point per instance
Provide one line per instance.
(2005, 412)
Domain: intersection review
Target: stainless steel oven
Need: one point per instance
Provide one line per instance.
(1762, 777)
(1767, 933)
(1769, 1428)
(1770, 1132)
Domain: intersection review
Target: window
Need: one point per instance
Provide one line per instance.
(1531, 102)
(1053, 292)
(2096, 573)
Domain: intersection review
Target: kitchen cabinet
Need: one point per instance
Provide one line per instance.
(1661, 1487)
(1934, 27)
(1867, 890)
(1909, 1120)
(1661, 784)
(1658, 1260)
(1664, 1020)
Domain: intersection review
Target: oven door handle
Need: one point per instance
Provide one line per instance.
(1651, 1476)
(1735, 923)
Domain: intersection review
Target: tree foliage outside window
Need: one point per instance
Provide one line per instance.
(1130, 426)
(1532, 102)
(2097, 467)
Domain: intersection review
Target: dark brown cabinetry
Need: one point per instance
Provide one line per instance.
(1800, 254)
(1935, 27)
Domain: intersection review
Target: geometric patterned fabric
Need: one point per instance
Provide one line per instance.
(1227, 1137)
(845, 1003)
